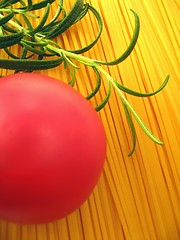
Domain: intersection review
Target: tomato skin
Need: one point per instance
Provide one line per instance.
(52, 148)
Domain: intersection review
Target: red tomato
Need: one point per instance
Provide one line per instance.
(52, 148)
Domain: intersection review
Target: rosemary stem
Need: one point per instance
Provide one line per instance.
(92, 63)
(77, 57)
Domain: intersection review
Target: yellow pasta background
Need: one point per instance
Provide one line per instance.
(137, 197)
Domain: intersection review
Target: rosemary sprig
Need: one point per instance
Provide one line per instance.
(37, 42)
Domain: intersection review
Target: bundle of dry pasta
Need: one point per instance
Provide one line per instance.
(137, 197)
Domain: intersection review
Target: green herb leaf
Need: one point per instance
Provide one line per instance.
(6, 18)
(31, 43)
(83, 12)
(5, 3)
(28, 23)
(9, 40)
(29, 5)
(10, 53)
(8, 29)
(141, 123)
(131, 124)
(100, 25)
(139, 94)
(130, 47)
(42, 22)
(41, 4)
(37, 6)
(48, 26)
(105, 100)
(68, 20)
(73, 75)
(29, 65)
(32, 48)
(97, 87)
